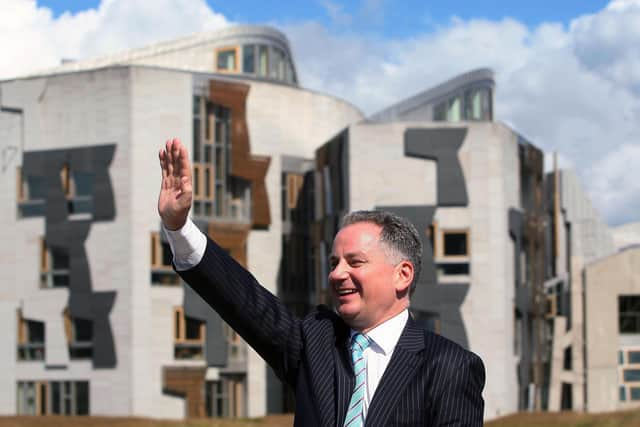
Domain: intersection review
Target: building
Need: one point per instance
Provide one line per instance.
(88, 287)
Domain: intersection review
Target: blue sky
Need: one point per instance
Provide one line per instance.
(384, 18)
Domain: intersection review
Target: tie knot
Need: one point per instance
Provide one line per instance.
(359, 342)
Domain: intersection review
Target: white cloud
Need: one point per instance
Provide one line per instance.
(32, 39)
(553, 84)
(574, 89)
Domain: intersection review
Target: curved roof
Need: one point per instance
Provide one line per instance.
(152, 54)
(477, 77)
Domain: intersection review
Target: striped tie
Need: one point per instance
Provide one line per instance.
(354, 416)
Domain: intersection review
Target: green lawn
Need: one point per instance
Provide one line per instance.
(565, 419)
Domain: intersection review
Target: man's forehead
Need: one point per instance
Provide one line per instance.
(359, 235)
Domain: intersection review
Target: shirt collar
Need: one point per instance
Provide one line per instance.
(385, 336)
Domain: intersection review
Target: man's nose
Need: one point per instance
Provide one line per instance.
(339, 272)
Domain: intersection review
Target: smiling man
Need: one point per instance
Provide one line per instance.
(364, 363)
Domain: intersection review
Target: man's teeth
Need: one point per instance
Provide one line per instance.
(346, 291)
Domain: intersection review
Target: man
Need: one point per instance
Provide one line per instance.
(369, 362)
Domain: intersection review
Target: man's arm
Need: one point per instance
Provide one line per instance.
(256, 314)
(458, 396)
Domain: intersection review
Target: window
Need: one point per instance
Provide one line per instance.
(455, 243)
(477, 104)
(451, 253)
(53, 398)
(453, 109)
(278, 64)
(248, 59)
(227, 59)
(31, 192)
(188, 336)
(629, 373)
(225, 397)
(440, 112)
(217, 193)
(30, 339)
(629, 314)
(54, 266)
(453, 268)
(161, 263)
(79, 336)
(78, 189)
(263, 61)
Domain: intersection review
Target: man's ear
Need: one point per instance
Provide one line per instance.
(404, 276)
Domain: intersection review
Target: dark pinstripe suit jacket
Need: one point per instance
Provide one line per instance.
(430, 381)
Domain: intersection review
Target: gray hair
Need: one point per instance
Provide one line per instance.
(398, 235)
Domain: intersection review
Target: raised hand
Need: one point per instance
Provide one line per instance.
(176, 191)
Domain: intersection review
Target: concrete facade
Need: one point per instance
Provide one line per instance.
(607, 346)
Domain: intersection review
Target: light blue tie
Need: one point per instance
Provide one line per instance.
(354, 416)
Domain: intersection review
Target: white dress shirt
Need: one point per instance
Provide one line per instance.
(384, 338)
(188, 245)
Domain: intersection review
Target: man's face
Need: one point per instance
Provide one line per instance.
(363, 280)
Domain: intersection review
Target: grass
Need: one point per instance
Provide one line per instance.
(564, 419)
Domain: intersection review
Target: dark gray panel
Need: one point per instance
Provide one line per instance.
(522, 305)
(441, 145)
(196, 307)
(444, 300)
(70, 235)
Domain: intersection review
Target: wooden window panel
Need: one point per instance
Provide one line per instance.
(178, 325)
(22, 329)
(20, 185)
(42, 393)
(197, 182)
(294, 185)
(44, 256)
(208, 181)
(210, 136)
(68, 325)
(236, 62)
(67, 181)
(154, 249)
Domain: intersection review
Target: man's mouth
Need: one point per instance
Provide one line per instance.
(343, 292)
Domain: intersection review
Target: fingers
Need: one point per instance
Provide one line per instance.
(169, 157)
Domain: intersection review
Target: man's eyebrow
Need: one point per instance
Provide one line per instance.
(347, 255)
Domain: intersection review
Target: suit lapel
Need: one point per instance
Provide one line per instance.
(402, 368)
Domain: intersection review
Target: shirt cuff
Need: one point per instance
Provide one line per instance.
(187, 244)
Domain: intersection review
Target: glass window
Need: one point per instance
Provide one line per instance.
(227, 59)
(193, 329)
(634, 357)
(440, 112)
(82, 398)
(37, 187)
(248, 59)
(453, 269)
(453, 110)
(629, 314)
(620, 357)
(263, 61)
(455, 243)
(631, 375)
(635, 393)
(277, 64)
